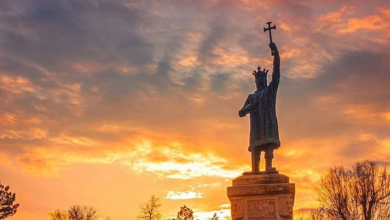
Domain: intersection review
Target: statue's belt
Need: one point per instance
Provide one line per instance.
(266, 143)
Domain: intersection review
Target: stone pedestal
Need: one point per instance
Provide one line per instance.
(262, 196)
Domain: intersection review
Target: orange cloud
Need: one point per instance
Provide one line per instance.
(179, 165)
(16, 85)
(365, 114)
(372, 22)
(28, 134)
(7, 118)
(337, 17)
(343, 21)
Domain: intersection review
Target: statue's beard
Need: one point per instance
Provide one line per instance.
(262, 85)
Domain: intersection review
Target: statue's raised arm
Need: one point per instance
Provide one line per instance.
(273, 86)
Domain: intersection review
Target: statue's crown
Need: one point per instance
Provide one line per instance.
(260, 74)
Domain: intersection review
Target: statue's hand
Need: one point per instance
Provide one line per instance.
(241, 113)
(273, 46)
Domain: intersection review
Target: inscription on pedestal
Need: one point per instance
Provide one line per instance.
(237, 209)
(261, 209)
(285, 206)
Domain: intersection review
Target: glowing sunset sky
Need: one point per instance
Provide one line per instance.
(106, 102)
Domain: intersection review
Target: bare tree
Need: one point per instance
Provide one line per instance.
(334, 194)
(150, 210)
(7, 199)
(371, 189)
(58, 215)
(82, 213)
(362, 192)
(75, 212)
(185, 213)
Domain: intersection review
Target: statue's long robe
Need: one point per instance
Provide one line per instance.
(261, 105)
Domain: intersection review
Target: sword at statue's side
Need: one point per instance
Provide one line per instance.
(270, 35)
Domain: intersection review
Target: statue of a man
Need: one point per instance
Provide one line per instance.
(264, 134)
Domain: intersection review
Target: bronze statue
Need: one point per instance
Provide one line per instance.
(264, 133)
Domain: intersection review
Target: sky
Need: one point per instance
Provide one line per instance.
(107, 102)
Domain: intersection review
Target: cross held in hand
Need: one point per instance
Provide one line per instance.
(270, 35)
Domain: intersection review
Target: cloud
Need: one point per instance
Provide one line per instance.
(166, 162)
(219, 81)
(16, 85)
(177, 164)
(343, 21)
(223, 213)
(183, 195)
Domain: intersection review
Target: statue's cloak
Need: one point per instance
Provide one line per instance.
(261, 105)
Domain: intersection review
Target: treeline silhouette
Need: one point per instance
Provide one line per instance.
(149, 210)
